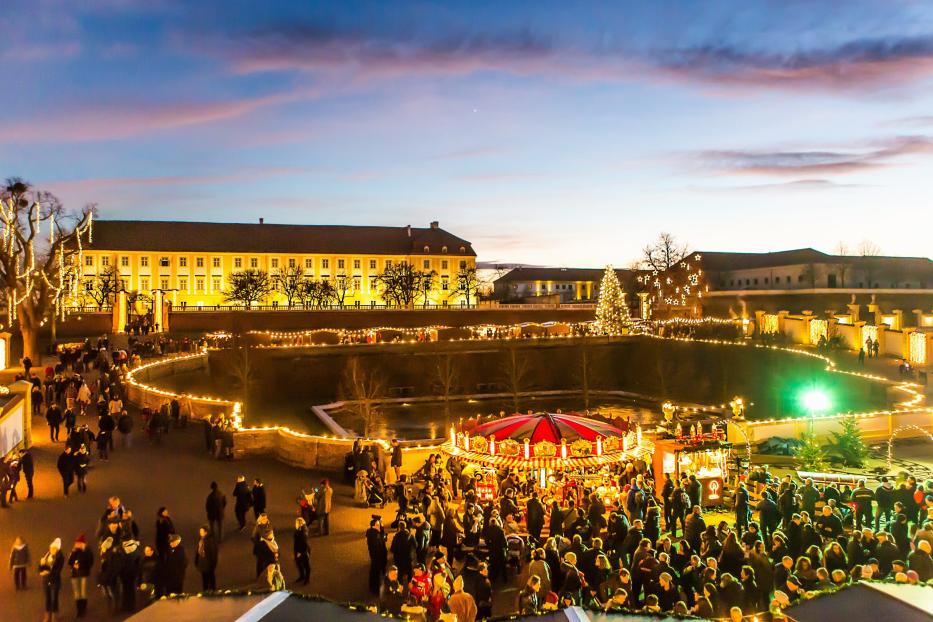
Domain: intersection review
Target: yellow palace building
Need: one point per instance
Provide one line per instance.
(190, 262)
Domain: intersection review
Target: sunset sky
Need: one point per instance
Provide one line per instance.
(564, 133)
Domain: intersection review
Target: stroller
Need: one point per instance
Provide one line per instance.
(517, 550)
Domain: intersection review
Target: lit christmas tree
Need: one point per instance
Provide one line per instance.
(611, 310)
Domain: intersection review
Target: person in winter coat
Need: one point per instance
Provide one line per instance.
(66, 468)
(205, 558)
(19, 562)
(80, 561)
(28, 465)
(266, 551)
(259, 498)
(150, 578)
(244, 501)
(53, 416)
(403, 551)
(920, 561)
(324, 501)
(175, 565)
(125, 426)
(461, 603)
(302, 551)
(534, 516)
(50, 570)
(392, 593)
(129, 561)
(165, 529)
(694, 528)
(528, 597)
(215, 506)
(81, 461)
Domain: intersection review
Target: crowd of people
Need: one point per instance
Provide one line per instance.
(646, 552)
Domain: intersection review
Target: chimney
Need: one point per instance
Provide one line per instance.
(408, 230)
(262, 220)
(435, 224)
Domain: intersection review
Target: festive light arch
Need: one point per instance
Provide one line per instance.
(894, 434)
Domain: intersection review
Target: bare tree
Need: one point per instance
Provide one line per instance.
(363, 388)
(289, 282)
(868, 253)
(446, 377)
(665, 252)
(844, 265)
(516, 371)
(426, 283)
(467, 284)
(587, 371)
(318, 293)
(342, 285)
(400, 283)
(242, 368)
(39, 264)
(248, 287)
(101, 288)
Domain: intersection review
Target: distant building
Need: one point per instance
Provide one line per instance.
(192, 261)
(707, 282)
(563, 285)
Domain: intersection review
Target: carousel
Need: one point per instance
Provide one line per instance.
(555, 450)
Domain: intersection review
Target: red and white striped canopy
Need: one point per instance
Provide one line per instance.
(546, 427)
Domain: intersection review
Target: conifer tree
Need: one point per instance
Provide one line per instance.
(611, 310)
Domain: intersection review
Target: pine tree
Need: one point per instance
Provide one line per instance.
(810, 455)
(611, 310)
(849, 444)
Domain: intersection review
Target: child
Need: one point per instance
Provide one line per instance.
(19, 560)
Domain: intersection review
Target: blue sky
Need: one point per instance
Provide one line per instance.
(565, 133)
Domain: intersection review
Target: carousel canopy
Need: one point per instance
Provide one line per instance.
(549, 427)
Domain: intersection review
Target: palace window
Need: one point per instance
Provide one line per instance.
(325, 264)
(163, 284)
(215, 261)
(164, 262)
(372, 264)
(388, 263)
(444, 249)
(445, 284)
(183, 284)
(105, 260)
(356, 264)
(182, 262)
(198, 262)
(309, 264)
(444, 264)
(372, 284)
(215, 284)
(237, 262)
(341, 264)
(427, 248)
(254, 262)
(275, 262)
(291, 262)
(124, 262)
(89, 260)
(462, 249)
(199, 284)
(463, 265)
(144, 284)
(427, 264)
(143, 262)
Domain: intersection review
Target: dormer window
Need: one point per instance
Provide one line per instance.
(462, 249)
(443, 249)
(427, 248)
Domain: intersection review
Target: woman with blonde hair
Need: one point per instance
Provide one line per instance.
(302, 551)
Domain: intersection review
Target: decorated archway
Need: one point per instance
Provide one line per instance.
(894, 434)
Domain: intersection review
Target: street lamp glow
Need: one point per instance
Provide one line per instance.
(816, 401)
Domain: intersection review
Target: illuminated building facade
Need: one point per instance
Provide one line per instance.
(191, 262)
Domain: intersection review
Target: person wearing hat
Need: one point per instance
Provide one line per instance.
(461, 603)
(50, 570)
(80, 562)
(175, 565)
(392, 594)
(244, 500)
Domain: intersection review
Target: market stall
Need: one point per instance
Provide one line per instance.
(562, 453)
(708, 456)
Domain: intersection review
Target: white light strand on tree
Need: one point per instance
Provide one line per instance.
(611, 311)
